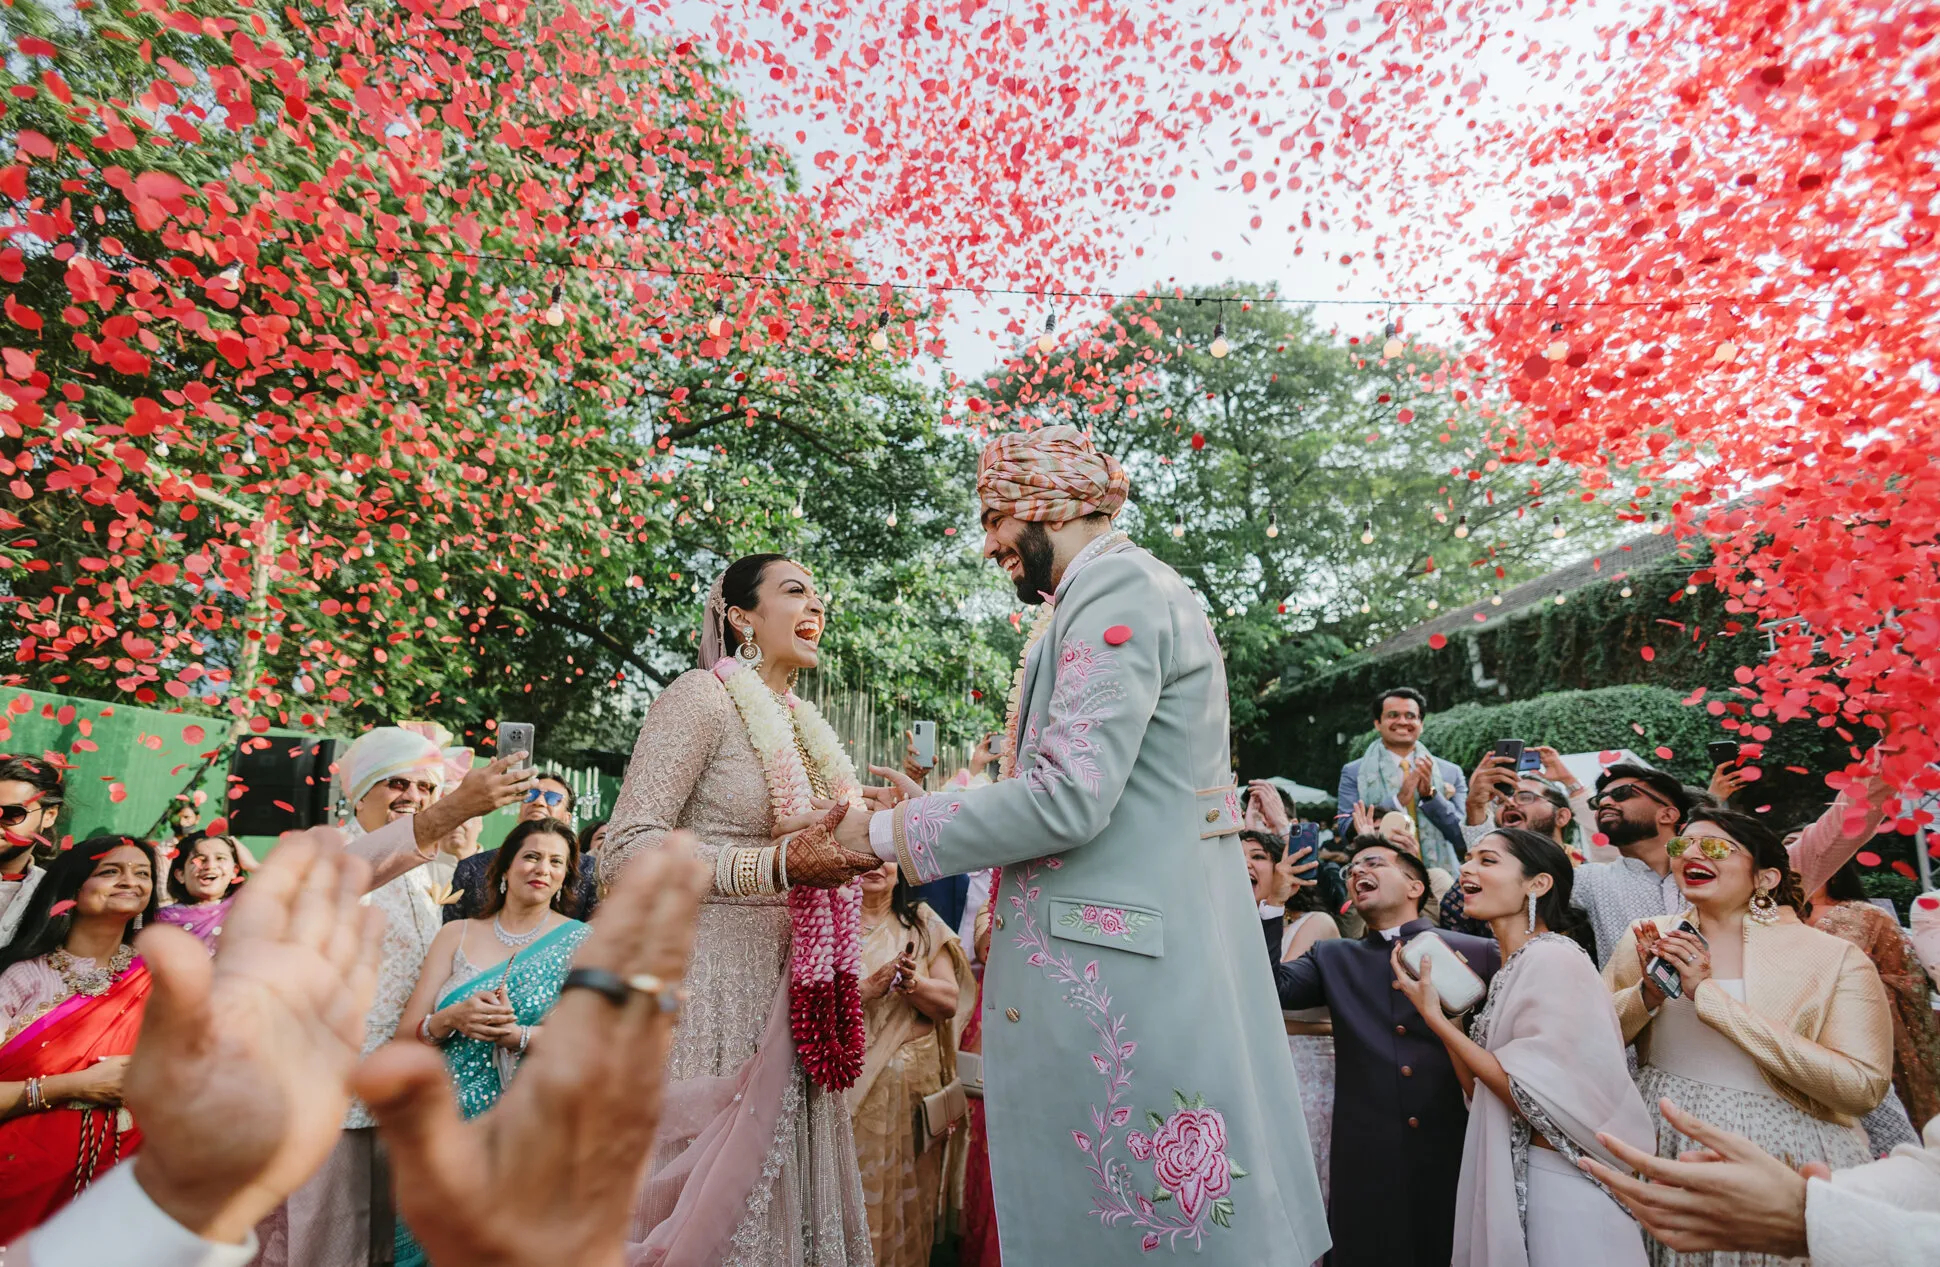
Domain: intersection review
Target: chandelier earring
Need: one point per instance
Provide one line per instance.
(1532, 913)
(1764, 907)
(749, 652)
(501, 886)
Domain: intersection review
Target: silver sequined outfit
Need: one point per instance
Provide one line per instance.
(694, 768)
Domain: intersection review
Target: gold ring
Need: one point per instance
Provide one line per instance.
(667, 998)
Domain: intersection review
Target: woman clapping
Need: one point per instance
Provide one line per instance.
(1544, 1070)
(1778, 1032)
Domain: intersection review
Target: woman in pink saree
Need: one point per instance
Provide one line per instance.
(1544, 1067)
(71, 998)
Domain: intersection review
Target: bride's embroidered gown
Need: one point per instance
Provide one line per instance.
(693, 767)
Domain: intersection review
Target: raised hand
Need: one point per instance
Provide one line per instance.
(548, 1175)
(900, 782)
(240, 1077)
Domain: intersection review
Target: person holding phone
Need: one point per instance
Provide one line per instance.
(1544, 1067)
(1780, 1033)
(1399, 1112)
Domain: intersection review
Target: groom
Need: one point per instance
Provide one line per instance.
(1138, 1086)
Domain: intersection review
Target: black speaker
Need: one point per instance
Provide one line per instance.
(280, 783)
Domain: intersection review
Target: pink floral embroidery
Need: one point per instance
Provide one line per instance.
(1190, 1158)
(1187, 1150)
(1084, 696)
(1105, 921)
(923, 821)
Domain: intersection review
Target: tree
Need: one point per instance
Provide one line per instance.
(1310, 488)
(379, 361)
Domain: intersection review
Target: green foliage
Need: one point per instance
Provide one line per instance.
(1317, 437)
(1896, 889)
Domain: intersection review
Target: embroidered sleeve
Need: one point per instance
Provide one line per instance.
(1114, 642)
(678, 739)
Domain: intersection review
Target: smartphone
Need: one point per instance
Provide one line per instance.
(1304, 836)
(1531, 762)
(922, 736)
(1722, 751)
(994, 743)
(1510, 750)
(516, 736)
(1663, 973)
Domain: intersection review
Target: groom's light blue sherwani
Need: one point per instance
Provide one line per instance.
(1139, 1091)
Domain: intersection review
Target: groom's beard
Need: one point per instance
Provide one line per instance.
(1035, 552)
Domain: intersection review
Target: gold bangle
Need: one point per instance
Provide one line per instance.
(745, 879)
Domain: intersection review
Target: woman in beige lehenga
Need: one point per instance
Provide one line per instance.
(755, 1162)
(917, 992)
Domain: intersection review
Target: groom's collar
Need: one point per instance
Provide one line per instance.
(1098, 546)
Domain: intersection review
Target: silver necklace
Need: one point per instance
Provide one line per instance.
(517, 940)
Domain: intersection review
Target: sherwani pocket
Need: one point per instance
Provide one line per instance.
(1114, 925)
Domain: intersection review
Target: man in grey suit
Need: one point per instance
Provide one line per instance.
(1397, 772)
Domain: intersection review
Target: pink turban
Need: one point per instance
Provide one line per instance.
(1050, 475)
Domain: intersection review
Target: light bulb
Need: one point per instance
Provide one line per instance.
(370, 548)
(1391, 349)
(1495, 599)
(1624, 592)
(1179, 526)
(1219, 346)
(879, 341)
(1557, 350)
(1556, 528)
(230, 278)
(431, 555)
(1433, 605)
(249, 455)
(161, 448)
(303, 537)
(1365, 609)
(555, 311)
(891, 521)
(795, 511)
(1461, 526)
(1656, 523)
(1367, 532)
(1272, 525)
(707, 505)
(1726, 353)
(1560, 600)
(1047, 342)
(717, 322)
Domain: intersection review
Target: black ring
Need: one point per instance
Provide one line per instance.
(608, 985)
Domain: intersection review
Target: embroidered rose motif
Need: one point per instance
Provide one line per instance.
(1090, 914)
(1189, 1158)
(1111, 922)
(1140, 1143)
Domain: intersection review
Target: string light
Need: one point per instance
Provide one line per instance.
(1433, 605)
(1461, 526)
(1048, 342)
(717, 322)
(1657, 524)
(1624, 592)
(230, 278)
(1367, 532)
(161, 448)
(879, 337)
(556, 311)
(1393, 347)
(1219, 346)
(1365, 609)
(1179, 526)
(891, 521)
(1272, 525)
(1556, 528)
(1495, 598)
(1561, 599)
(795, 511)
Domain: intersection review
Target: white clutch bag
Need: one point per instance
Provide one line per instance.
(1457, 983)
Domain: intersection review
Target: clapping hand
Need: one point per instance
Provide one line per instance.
(548, 1175)
(1366, 823)
(240, 1076)
(1732, 1196)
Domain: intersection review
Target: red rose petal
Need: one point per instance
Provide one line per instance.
(1437, 641)
(1867, 858)
(1117, 635)
(60, 908)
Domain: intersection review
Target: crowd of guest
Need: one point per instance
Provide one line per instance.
(1519, 1007)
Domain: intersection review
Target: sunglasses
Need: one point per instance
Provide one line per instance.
(1710, 846)
(405, 785)
(1624, 792)
(14, 815)
(539, 794)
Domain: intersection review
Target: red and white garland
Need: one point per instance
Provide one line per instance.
(825, 961)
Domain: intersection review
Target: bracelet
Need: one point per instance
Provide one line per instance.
(724, 871)
(745, 879)
(425, 1035)
(781, 867)
(765, 871)
(525, 1038)
(34, 1101)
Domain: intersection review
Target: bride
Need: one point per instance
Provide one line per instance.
(755, 1162)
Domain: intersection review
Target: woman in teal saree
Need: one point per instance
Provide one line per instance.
(488, 983)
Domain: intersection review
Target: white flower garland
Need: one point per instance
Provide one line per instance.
(1040, 625)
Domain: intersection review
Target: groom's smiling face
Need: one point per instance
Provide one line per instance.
(1023, 549)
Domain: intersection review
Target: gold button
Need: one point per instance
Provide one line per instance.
(1010, 1013)
(997, 921)
(1414, 1121)
(1212, 815)
(1407, 1072)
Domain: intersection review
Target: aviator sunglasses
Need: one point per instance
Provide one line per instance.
(1710, 846)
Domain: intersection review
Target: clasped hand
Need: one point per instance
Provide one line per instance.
(486, 1016)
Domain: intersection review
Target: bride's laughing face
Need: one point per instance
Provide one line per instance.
(787, 619)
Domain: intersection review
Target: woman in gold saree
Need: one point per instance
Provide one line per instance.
(917, 992)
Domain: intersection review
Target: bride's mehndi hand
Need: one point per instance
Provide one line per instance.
(817, 861)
